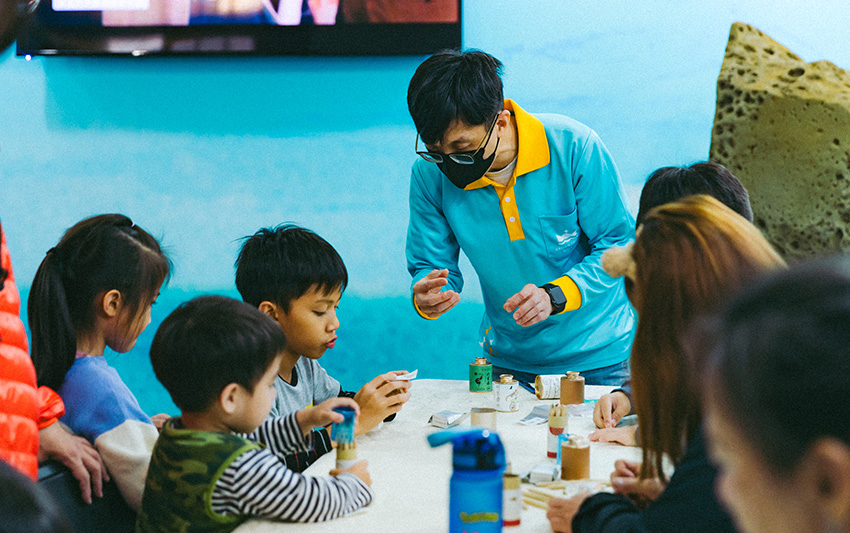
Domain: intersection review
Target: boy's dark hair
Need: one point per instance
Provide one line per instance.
(210, 342)
(783, 347)
(26, 506)
(669, 184)
(281, 264)
(95, 255)
(453, 85)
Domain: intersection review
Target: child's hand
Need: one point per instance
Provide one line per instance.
(610, 408)
(624, 436)
(324, 414)
(359, 469)
(160, 420)
(380, 398)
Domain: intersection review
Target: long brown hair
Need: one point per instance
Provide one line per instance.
(689, 256)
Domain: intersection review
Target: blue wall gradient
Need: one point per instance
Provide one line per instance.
(204, 151)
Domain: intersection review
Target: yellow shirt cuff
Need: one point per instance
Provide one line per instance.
(423, 315)
(571, 292)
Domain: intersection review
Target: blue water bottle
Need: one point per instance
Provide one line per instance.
(476, 487)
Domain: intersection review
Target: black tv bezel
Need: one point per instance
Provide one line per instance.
(41, 39)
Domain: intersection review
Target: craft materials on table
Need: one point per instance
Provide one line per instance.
(484, 417)
(445, 419)
(575, 458)
(558, 421)
(548, 387)
(572, 388)
(343, 434)
(480, 375)
(538, 415)
(507, 394)
(539, 495)
(511, 500)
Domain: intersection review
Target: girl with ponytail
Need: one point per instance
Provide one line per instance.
(94, 290)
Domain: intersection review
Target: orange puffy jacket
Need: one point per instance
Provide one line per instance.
(24, 409)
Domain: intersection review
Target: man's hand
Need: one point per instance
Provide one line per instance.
(529, 306)
(78, 454)
(562, 511)
(324, 414)
(429, 296)
(359, 469)
(624, 436)
(610, 409)
(626, 480)
(380, 398)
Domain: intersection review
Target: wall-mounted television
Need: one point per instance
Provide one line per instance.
(241, 27)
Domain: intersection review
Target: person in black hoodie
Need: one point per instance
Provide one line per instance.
(688, 257)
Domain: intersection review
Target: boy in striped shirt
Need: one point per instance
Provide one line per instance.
(217, 464)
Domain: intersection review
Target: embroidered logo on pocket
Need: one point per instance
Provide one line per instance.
(566, 237)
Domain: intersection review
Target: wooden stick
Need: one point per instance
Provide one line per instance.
(538, 496)
(540, 493)
(536, 503)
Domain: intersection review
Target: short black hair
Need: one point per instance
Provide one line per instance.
(669, 184)
(453, 85)
(281, 264)
(781, 347)
(210, 342)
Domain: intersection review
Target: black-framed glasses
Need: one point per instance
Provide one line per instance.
(461, 158)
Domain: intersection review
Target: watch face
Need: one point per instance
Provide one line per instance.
(557, 296)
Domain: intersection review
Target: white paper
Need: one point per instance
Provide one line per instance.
(538, 415)
(407, 377)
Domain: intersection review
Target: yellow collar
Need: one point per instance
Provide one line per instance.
(532, 146)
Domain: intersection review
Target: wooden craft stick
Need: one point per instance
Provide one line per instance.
(539, 493)
(537, 496)
(536, 503)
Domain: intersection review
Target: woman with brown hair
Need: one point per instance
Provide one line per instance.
(689, 256)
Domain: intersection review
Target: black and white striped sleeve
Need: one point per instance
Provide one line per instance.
(282, 435)
(258, 484)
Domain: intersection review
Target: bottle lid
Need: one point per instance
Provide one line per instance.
(480, 360)
(474, 449)
(572, 375)
(506, 378)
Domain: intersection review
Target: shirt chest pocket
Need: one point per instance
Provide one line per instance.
(560, 233)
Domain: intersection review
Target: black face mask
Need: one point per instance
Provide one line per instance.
(462, 175)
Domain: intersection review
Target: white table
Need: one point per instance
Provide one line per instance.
(411, 480)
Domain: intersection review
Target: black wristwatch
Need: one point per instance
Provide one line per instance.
(556, 296)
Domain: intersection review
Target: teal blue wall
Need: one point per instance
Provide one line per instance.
(203, 151)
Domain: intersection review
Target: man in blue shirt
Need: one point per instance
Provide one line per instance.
(533, 201)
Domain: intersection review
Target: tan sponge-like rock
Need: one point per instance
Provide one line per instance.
(783, 127)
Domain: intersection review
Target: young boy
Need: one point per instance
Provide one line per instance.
(297, 278)
(218, 359)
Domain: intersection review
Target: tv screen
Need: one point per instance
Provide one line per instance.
(246, 27)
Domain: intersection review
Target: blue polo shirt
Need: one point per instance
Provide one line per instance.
(563, 207)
